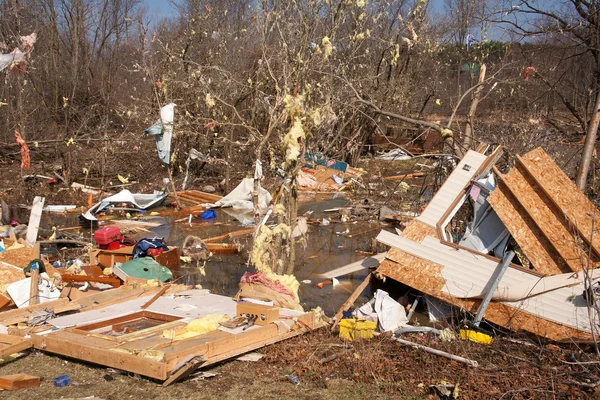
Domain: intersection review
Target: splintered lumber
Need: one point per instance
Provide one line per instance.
(470, 363)
(19, 381)
(348, 303)
(523, 229)
(572, 202)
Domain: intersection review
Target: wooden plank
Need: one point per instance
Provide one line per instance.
(19, 381)
(404, 176)
(21, 314)
(546, 217)
(155, 297)
(238, 233)
(573, 203)
(223, 248)
(83, 348)
(526, 233)
(115, 282)
(355, 295)
(254, 346)
(15, 345)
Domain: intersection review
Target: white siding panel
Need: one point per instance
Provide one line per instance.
(451, 188)
(467, 274)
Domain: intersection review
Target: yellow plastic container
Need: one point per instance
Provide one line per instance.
(474, 336)
(352, 328)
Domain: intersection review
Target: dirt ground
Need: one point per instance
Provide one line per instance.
(379, 368)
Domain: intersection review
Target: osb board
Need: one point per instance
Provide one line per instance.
(546, 216)
(526, 233)
(425, 277)
(417, 230)
(12, 263)
(573, 203)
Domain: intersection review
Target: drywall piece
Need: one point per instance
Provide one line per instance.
(452, 188)
(574, 204)
(34, 220)
(523, 229)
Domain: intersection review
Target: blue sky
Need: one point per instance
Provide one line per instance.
(163, 8)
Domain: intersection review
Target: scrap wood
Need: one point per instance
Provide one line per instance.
(223, 248)
(19, 381)
(10, 344)
(470, 363)
(155, 297)
(238, 233)
(12, 317)
(404, 176)
(348, 303)
(114, 282)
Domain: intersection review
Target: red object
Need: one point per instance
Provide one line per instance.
(107, 235)
(529, 70)
(154, 252)
(115, 245)
(25, 162)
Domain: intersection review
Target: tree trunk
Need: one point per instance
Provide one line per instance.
(469, 130)
(589, 146)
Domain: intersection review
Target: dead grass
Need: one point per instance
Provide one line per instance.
(374, 369)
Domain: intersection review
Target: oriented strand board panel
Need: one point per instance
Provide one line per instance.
(546, 217)
(452, 188)
(417, 230)
(524, 230)
(574, 204)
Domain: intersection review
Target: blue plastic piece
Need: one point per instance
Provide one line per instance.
(208, 214)
(62, 381)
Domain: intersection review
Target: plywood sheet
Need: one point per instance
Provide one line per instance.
(524, 230)
(574, 204)
(546, 217)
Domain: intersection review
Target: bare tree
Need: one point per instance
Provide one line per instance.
(573, 24)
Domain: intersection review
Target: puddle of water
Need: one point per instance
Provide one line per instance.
(325, 249)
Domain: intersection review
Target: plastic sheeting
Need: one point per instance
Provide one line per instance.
(241, 197)
(388, 313)
(141, 201)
